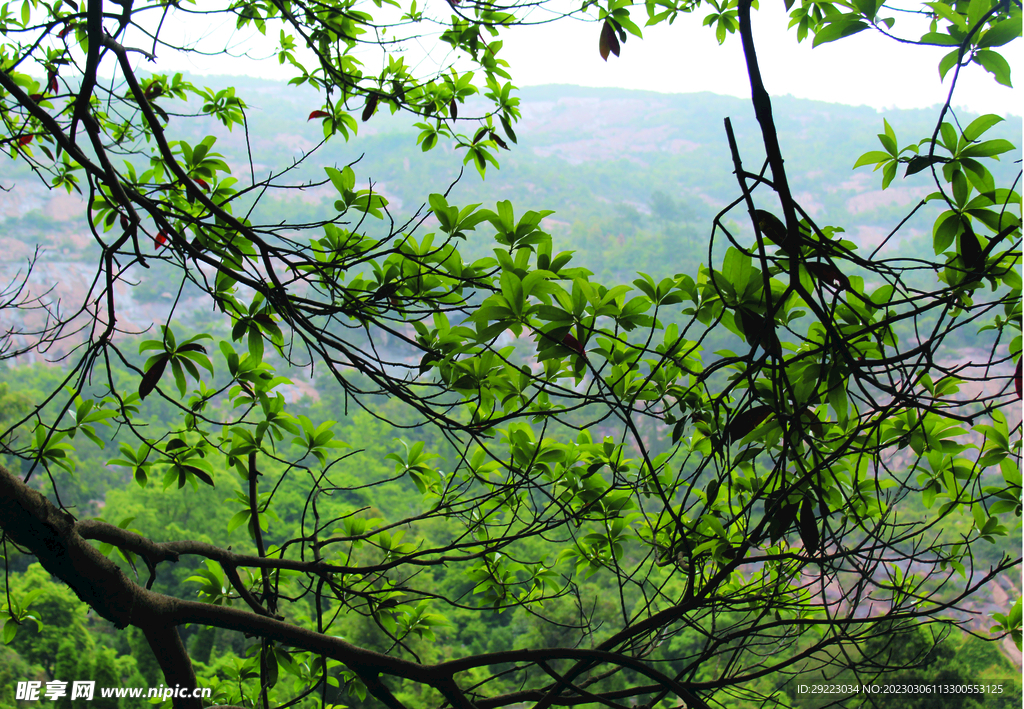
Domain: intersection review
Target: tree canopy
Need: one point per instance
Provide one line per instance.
(672, 523)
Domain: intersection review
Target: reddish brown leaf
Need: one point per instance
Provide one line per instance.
(712, 491)
(922, 162)
(497, 139)
(773, 229)
(64, 32)
(572, 343)
(36, 97)
(809, 534)
(780, 522)
(150, 378)
(507, 125)
(124, 222)
(174, 444)
(1017, 383)
(318, 114)
(199, 473)
(202, 183)
(51, 82)
(161, 238)
(25, 139)
(812, 422)
(758, 331)
(829, 274)
(970, 250)
(371, 106)
(479, 135)
(744, 423)
(609, 42)
(453, 109)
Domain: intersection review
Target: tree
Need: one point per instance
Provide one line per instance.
(43, 643)
(756, 512)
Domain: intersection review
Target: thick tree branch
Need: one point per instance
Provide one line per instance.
(173, 658)
(763, 110)
(34, 523)
(94, 29)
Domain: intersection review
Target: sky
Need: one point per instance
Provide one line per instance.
(866, 69)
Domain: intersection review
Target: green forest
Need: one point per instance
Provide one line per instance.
(388, 389)
(69, 643)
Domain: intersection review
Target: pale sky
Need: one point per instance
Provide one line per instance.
(866, 69)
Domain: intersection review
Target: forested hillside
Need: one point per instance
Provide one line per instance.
(635, 180)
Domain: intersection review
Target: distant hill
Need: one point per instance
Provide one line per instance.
(579, 148)
(634, 177)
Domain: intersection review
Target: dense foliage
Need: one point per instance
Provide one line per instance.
(695, 486)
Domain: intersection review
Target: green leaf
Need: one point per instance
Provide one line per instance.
(343, 180)
(868, 8)
(948, 13)
(948, 62)
(949, 138)
(872, 157)
(988, 148)
(940, 39)
(979, 125)
(961, 189)
(947, 226)
(976, 9)
(978, 176)
(928, 495)
(255, 343)
(238, 519)
(837, 397)
(994, 64)
(179, 376)
(506, 217)
(888, 173)
(888, 139)
(844, 27)
(1002, 33)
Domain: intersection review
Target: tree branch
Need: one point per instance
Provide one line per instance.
(763, 110)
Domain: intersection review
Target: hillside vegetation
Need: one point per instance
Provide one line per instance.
(634, 180)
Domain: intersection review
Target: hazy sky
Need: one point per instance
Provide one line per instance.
(867, 69)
